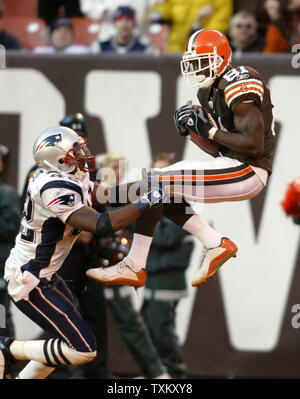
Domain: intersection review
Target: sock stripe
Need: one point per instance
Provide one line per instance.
(53, 352)
(60, 359)
(46, 352)
(61, 352)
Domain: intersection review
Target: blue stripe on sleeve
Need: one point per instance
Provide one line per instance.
(62, 184)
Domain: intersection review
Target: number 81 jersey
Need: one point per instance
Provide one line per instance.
(235, 86)
(45, 240)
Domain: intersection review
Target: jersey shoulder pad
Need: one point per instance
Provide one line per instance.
(241, 84)
(59, 181)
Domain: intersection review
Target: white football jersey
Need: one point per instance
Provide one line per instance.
(45, 239)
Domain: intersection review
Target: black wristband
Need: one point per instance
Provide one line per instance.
(103, 226)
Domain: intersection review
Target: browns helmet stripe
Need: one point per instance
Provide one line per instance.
(191, 42)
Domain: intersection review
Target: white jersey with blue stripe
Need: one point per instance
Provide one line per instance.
(45, 240)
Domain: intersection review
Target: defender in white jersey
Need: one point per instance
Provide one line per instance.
(51, 198)
(57, 207)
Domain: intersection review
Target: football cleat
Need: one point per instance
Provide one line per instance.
(6, 359)
(119, 274)
(213, 259)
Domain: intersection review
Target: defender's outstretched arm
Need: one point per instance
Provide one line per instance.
(87, 219)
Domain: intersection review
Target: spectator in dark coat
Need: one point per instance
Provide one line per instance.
(124, 41)
(243, 33)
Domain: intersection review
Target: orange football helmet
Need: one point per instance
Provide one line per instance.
(207, 55)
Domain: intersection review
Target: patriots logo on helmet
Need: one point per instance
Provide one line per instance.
(68, 199)
(50, 141)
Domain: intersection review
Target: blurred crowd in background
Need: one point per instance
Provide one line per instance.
(150, 26)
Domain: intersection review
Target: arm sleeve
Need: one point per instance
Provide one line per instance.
(251, 89)
(61, 202)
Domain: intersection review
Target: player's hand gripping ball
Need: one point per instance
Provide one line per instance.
(196, 121)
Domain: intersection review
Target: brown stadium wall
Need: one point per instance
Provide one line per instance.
(245, 323)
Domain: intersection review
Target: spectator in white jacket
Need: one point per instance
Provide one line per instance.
(102, 10)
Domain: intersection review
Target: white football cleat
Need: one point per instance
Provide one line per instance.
(213, 259)
(119, 274)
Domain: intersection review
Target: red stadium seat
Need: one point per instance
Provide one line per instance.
(20, 8)
(31, 32)
(86, 30)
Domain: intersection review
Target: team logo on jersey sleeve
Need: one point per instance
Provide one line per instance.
(68, 200)
(50, 141)
(244, 88)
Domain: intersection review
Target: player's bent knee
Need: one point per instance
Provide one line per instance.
(57, 352)
(78, 356)
(83, 357)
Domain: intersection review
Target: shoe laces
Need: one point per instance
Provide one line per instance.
(203, 255)
(119, 267)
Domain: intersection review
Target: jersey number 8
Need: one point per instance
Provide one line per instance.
(234, 73)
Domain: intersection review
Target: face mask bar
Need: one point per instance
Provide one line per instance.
(192, 67)
(81, 156)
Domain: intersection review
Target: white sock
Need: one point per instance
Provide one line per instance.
(197, 226)
(139, 251)
(35, 371)
(28, 350)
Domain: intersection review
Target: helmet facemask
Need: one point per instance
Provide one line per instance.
(193, 65)
(80, 156)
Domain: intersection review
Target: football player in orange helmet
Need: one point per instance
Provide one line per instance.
(207, 55)
(236, 112)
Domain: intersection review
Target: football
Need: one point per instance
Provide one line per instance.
(207, 145)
